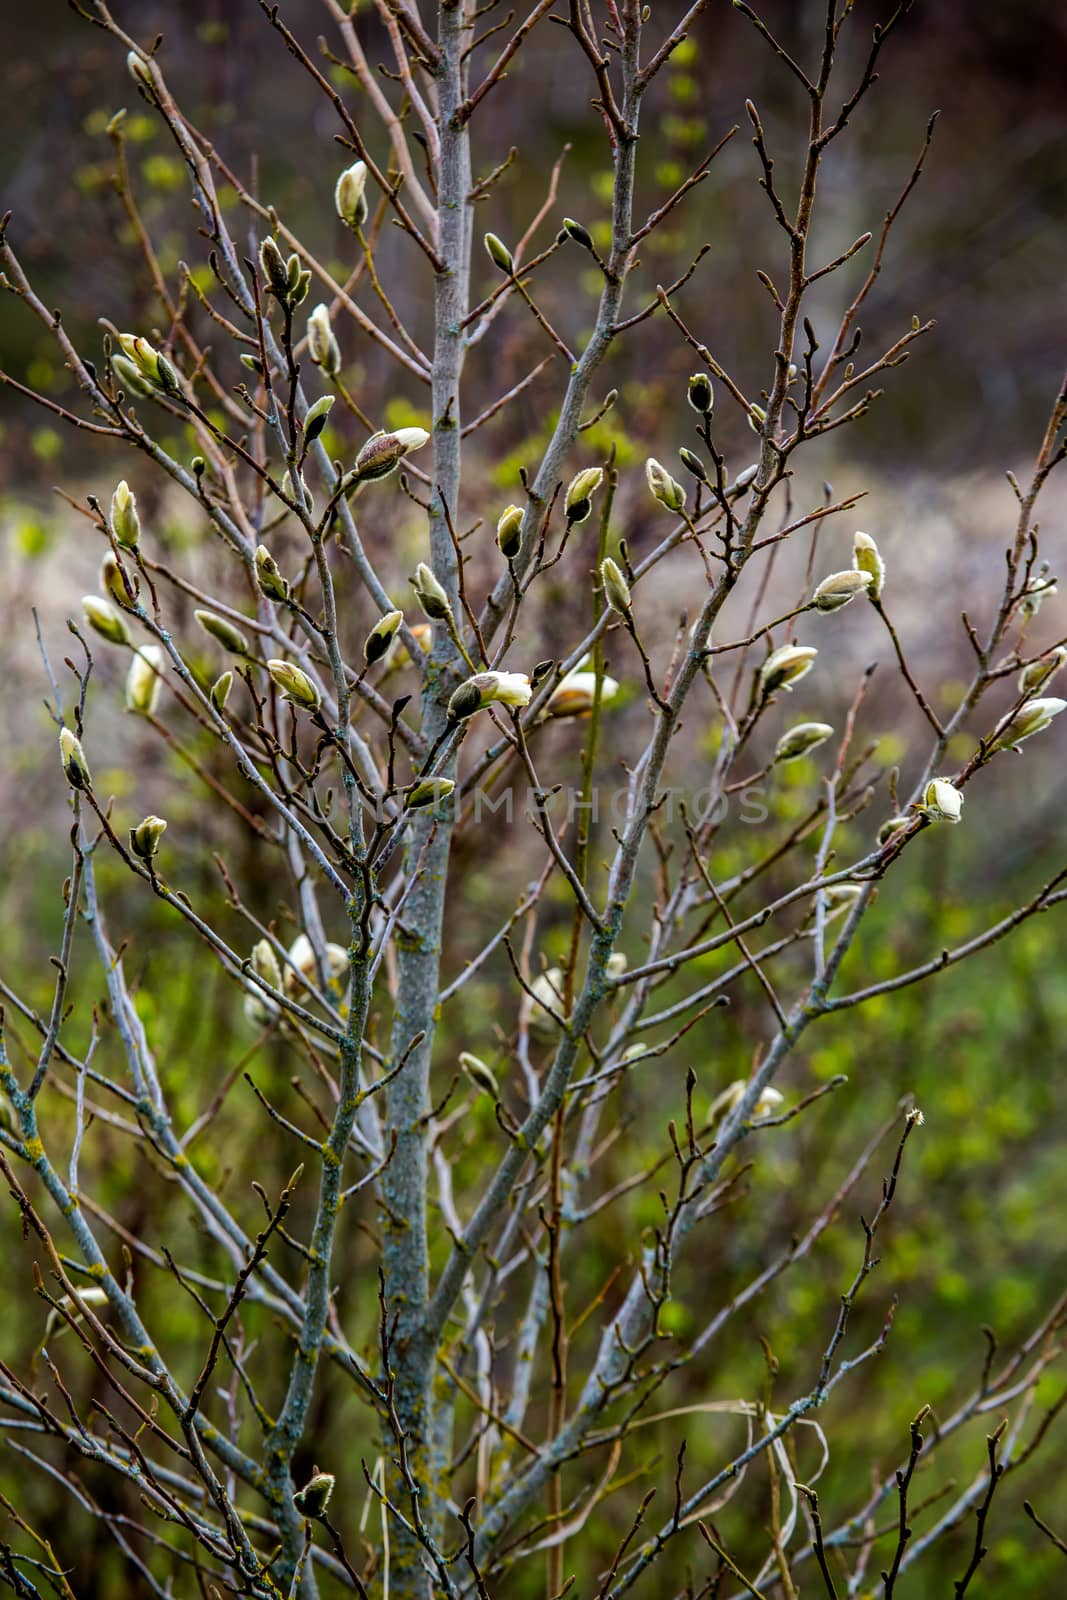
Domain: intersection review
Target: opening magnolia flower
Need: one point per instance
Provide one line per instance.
(575, 694)
(942, 801)
(485, 688)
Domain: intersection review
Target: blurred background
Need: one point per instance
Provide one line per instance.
(977, 1236)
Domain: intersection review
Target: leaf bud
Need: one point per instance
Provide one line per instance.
(315, 420)
(323, 348)
(311, 1501)
(578, 232)
(480, 1075)
(428, 792)
(220, 690)
(431, 596)
(692, 463)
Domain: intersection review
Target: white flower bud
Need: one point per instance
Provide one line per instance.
(73, 758)
(223, 632)
(866, 558)
(220, 690)
(268, 575)
(839, 588)
(663, 487)
(487, 688)
(1034, 717)
(891, 826)
(839, 898)
(802, 740)
(480, 1075)
(574, 695)
(125, 523)
(265, 963)
(1039, 673)
(701, 395)
(381, 636)
(323, 348)
(615, 966)
(384, 451)
(509, 531)
(786, 666)
(546, 995)
(498, 253)
(302, 967)
(431, 595)
(578, 500)
(942, 801)
(145, 837)
(616, 589)
(1039, 589)
(428, 792)
(305, 496)
(112, 580)
(144, 682)
(315, 419)
(106, 619)
(295, 685)
(349, 195)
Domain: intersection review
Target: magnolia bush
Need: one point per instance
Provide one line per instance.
(385, 685)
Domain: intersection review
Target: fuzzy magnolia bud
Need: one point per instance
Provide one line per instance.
(509, 531)
(295, 685)
(866, 558)
(125, 523)
(577, 232)
(578, 501)
(381, 636)
(616, 589)
(298, 492)
(498, 253)
(223, 632)
(546, 995)
(692, 463)
(265, 963)
(1040, 673)
(942, 801)
(663, 487)
(315, 420)
(745, 479)
(616, 965)
(383, 453)
(148, 364)
(839, 898)
(786, 666)
(730, 1097)
(302, 966)
(73, 758)
(268, 575)
(349, 195)
(107, 620)
(701, 395)
(311, 1501)
(143, 681)
(428, 792)
(112, 579)
(323, 348)
(839, 588)
(479, 1074)
(757, 416)
(220, 690)
(431, 596)
(144, 839)
(275, 269)
(801, 740)
(130, 377)
(1041, 587)
(1034, 717)
(487, 688)
(891, 826)
(576, 694)
(138, 69)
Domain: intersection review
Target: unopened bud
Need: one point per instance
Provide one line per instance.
(220, 690)
(479, 1074)
(138, 69)
(578, 501)
(311, 1501)
(757, 416)
(107, 620)
(144, 839)
(428, 792)
(692, 463)
(304, 498)
(268, 575)
(577, 232)
(616, 588)
(315, 420)
(663, 487)
(866, 558)
(295, 685)
(546, 995)
(616, 965)
(746, 478)
(489, 688)
(275, 270)
(125, 523)
(839, 898)
(251, 363)
(144, 682)
(381, 636)
(1040, 588)
(701, 395)
(1040, 673)
(942, 801)
(349, 195)
(509, 531)
(265, 963)
(431, 596)
(323, 348)
(801, 740)
(383, 453)
(839, 588)
(130, 376)
(73, 758)
(112, 579)
(223, 632)
(1034, 717)
(786, 666)
(498, 253)
(891, 826)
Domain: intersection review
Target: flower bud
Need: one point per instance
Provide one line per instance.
(576, 693)
(275, 270)
(615, 966)
(112, 579)
(265, 963)
(220, 690)
(428, 792)
(315, 420)
(268, 575)
(323, 348)
(138, 69)
(303, 496)
(295, 685)
(1034, 717)
(891, 826)
(839, 588)
(838, 898)
(1039, 673)
(311, 1501)
(303, 968)
(73, 758)
(498, 253)
(223, 632)
(1040, 588)
(422, 633)
(546, 995)
(144, 839)
(251, 363)
(480, 1075)
(577, 232)
(785, 666)
(663, 487)
(801, 740)
(942, 801)
(125, 523)
(509, 531)
(745, 479)
(106, 619)
(701, 395)
(578, 501)
(757, 416)
(487, 688)
(616, 589)
(865, 558)
(383, 453)
(349, 195)
(143, 681)
(431, 596)
(130, 377)
(692, 463)
(381, 636)
(145, 357)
